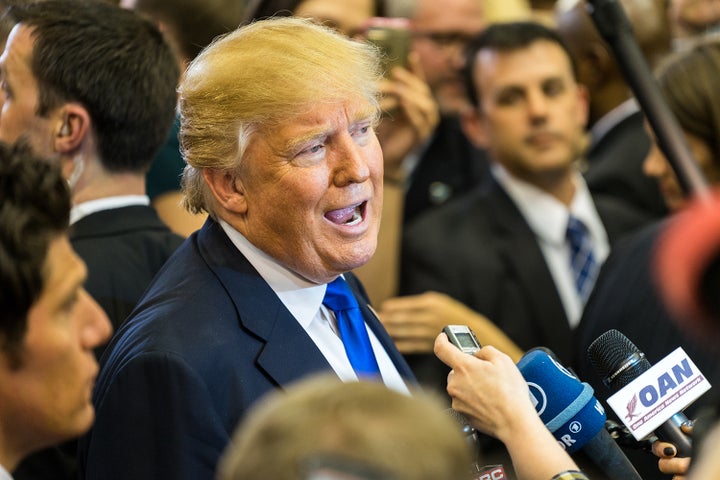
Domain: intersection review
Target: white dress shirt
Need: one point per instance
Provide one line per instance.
(548, 218)
(304, 301)
(4, 474)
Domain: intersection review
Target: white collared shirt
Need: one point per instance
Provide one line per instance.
(84, 209)
(608, 121)
(304, 301)
(548, 218)
(4, 474)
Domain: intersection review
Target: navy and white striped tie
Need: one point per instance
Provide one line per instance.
(582, 259)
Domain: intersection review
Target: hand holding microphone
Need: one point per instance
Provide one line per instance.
(648, 398)
(570, 411)
(489, 390)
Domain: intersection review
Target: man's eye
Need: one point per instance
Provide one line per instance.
(554, 88)
(509, 98)
(311, 153)
(361, 130)
(70, 303)
(313, 149)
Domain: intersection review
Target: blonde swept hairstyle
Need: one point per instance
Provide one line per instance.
(360, 423)
(257, 77)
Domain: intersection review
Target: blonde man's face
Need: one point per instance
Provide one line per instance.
(312, 189)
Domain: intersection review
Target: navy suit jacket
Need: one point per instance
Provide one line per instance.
(208, 339)
(480, 250)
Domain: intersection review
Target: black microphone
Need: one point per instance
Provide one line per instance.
(618, 362)
(614, 26)
(569, 410)
(477, 471)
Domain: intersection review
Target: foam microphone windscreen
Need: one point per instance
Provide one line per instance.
(566, 406)
(687, 267)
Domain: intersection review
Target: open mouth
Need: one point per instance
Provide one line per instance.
(349, 216)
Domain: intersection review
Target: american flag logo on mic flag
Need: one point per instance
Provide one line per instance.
(632, 409)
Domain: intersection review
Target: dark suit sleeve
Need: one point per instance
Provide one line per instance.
(156, 420)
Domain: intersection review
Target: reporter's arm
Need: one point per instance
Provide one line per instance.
(489, 389)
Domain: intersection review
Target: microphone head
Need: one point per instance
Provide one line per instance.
(566, 406)
(616, 359)
(462, 422)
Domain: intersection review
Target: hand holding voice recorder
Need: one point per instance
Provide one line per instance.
(463, 338)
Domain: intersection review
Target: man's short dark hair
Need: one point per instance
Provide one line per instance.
(507, 37)
(115, 64)
(34, 209)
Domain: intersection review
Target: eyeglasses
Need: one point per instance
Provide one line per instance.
(444, 39)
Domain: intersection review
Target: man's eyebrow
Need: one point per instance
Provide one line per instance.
(325, 130)
(294, 143)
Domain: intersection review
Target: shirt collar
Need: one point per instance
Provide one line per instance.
(4, 474)
(546, 215)
(301, 296)
(84, 209)
(608, 121)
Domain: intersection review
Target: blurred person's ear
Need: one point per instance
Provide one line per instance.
(473, 126)
(596, 65)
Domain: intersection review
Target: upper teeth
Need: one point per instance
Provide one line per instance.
(356, 218)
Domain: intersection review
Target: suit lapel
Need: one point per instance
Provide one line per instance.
(518, 247)
(289, 353)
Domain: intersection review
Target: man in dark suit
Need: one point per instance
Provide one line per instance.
(618, 140)
(628, 296)
(93, 88)
(49, 325)
(103, 116)
(502, 249)
(277, 130)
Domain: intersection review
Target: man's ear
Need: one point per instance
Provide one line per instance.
(473, 125)
(227, 189)
(597, 65)
(71, 128)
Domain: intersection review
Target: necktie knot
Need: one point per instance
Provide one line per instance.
(338, 296)
(576, 231)
(353, 333)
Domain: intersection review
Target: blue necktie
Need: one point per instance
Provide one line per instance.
(353, 333)
(582, 259)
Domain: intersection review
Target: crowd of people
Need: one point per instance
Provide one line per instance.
(230, 237)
